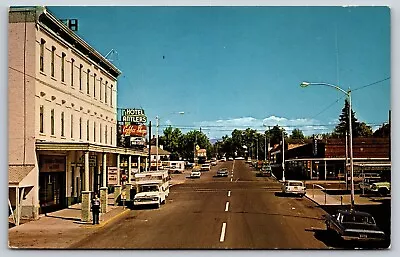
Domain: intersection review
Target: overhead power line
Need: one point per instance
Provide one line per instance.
(374, 83)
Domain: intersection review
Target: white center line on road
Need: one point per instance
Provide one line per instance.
(232, 175)
(226, 206)
(222, 238)
(229, 193)
(231, 179)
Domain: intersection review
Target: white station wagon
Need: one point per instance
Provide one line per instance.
(294, 187)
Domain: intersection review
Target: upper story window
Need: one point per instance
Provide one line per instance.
(105, 92)
(72, 71)
(101, 85)
(87, 131)
(62, 124)
(52, 122)
(105, 135)
(88, 82)
(111, 96)
(72, 126)
(94, 131)
(53, 53)
(111, 134)
(101, 132)
(42, 48)
(80, 128)
(63, 67)
(41, 119)
(94, 85)
(80, 76)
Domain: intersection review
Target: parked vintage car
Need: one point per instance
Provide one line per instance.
(294, 187)
(354, 225)
(381, 188)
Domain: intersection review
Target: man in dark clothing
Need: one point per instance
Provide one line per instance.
(95, 209)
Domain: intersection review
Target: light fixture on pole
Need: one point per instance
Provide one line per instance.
(348, 94)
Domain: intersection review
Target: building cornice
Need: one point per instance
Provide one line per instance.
(72, 146)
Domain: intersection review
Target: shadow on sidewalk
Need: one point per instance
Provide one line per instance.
(63, 218)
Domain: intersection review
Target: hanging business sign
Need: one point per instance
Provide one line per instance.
(50, 163)
(133, 116)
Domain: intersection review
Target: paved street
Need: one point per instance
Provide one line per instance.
(240, 211)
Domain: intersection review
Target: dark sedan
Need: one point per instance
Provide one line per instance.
(354, 225)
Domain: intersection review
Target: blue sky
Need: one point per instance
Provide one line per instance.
(238, 67)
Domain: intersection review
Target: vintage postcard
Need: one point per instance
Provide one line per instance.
(199, 127)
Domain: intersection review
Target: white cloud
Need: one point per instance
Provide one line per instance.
(219, 128)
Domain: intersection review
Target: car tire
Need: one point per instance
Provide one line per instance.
(383, 191)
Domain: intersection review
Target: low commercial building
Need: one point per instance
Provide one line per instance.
(326, 159)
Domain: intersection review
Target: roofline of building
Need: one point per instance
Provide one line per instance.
(42, 10)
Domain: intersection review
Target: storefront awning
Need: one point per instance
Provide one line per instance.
(16, 173)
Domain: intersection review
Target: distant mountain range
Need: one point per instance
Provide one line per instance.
(214, 140)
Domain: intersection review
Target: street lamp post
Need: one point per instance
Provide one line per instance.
(348, 94)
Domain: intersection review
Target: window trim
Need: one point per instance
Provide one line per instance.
(41, 58)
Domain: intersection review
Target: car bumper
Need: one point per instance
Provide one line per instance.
(360, 238)
(300, 192)
(145, 202)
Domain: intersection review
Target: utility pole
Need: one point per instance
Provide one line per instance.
(156, 143)
(347, 162)
(283, 156)
(149, 147)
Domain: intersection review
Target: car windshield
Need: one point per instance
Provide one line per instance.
(152, 188)
(295, 184)
(353, 218)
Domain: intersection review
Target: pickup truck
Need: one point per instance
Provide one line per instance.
(354, 225)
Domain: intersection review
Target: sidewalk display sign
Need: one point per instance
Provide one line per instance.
(112, 176)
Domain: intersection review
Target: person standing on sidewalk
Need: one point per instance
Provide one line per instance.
(95, 208)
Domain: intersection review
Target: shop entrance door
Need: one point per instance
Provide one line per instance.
(51, 191)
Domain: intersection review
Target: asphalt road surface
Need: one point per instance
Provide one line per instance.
(240, 211)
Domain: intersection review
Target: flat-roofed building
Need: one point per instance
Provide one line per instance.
(62, 112)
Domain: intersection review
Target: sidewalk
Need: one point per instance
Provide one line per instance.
(60, 229)
(321, 198)
(63, 228)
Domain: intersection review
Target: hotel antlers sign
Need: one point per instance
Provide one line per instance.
(134, 122)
